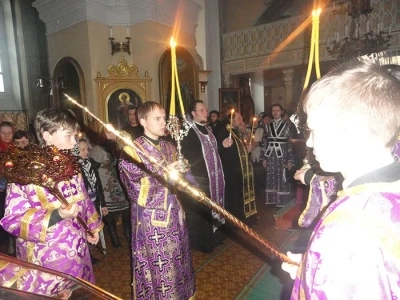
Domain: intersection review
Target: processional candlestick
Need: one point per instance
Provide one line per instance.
(177, 128)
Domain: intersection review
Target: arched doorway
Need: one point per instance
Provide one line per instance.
(68, 79)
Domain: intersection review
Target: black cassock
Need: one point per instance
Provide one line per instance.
(198, 216)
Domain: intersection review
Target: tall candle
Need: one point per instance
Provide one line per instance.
(179, 91)
(230, 128)
(127, 31)
(110, 31)
(173, 65)
(252, 129)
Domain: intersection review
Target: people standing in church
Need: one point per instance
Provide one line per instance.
(104, 158)
(200, 148)
(22, 138)
(6, 134)
(133, 128)
(161, 257)
(277, 156)
(48, 233)
(238, 171)
(353, 250)
(214, 121)
(92, 181)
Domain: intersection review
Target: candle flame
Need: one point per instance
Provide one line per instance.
(254, 119)
(316, 12)
(172, 42)
(232, 111)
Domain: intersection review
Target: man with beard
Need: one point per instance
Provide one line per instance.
(238, 171)
(201, 150)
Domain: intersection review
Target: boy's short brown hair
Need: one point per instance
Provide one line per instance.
(53, 119)
(144, 109)
(362, 92)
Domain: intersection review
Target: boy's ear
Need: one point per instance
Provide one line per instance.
(142, 122)
(46, 137)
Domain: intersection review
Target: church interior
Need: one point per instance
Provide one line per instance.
(106, 54)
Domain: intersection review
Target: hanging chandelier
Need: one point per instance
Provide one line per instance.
(360, 39)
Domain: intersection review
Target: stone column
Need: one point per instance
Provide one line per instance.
(288, 80)
(257, 90)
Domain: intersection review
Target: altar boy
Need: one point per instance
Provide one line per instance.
(353, 118)
(48, 234)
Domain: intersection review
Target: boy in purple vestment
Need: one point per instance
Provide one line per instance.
(48, 233)
(353, 252)
(161, 257)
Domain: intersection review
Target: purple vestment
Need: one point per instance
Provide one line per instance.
(323, 191)
(354, 250)
(161, 257)
(277, 150)
(213, 163)
(61, 247)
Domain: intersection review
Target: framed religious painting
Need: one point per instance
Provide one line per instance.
(229, 98)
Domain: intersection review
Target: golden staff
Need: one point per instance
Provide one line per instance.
(185, 186)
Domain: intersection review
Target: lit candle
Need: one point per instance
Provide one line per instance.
(127, 31)
(179, 90)
(252, 129)
(230, 129)
(173, 65)
(317, 66)
(110, 31)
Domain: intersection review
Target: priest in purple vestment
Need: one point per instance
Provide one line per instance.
(161, 258)
(353, 252)
(48, 234)
(200, 148)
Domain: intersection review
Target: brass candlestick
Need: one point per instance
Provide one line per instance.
(178, 131)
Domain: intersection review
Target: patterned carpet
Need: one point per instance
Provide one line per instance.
(219, 275)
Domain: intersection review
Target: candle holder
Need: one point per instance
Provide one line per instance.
(178, 131)
(120, 46)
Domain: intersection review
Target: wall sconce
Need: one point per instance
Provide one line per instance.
(203, 80)
(120, 46)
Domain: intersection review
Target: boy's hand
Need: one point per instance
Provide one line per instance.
(67, 213)
(104, 211)
(299, 175)
(93, 240)
(289, 268)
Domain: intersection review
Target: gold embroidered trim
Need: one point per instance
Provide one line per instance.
(93, 218)
(159, 223)
(301, 218)
(46, 221)
(132, 153)
(144, 191)
(18, 275)
(29, 250)
(249, 198)
(26, 221)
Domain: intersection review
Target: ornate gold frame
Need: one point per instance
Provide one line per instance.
(121, 76)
